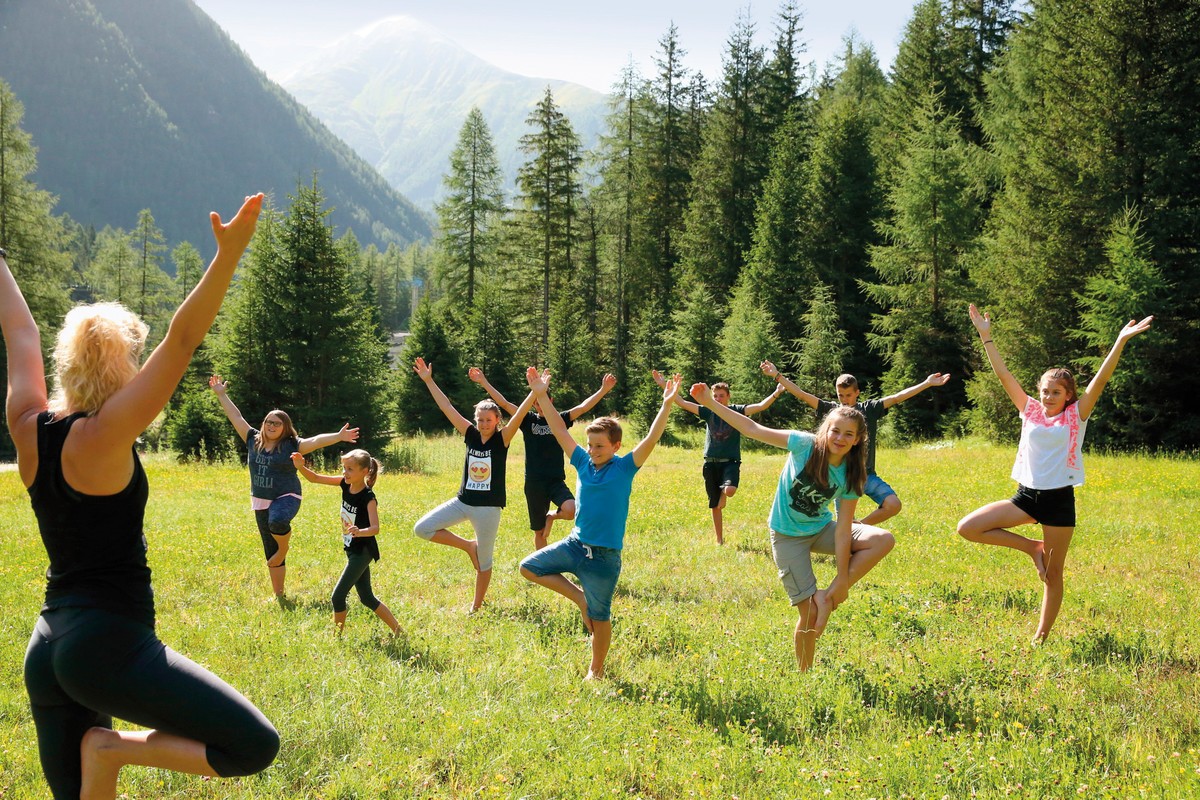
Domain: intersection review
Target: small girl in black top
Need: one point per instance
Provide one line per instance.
(360, 526)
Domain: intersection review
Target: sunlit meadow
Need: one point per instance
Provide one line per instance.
(925, 684)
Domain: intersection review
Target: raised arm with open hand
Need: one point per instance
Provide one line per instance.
(742, 424)
(771, 371)
(425, 373)
(983, 324)
(476, 376)
(538, 384)
(1087, 400)
(661, 380)
(646, 445)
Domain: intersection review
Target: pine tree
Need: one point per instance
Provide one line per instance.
(112, 274)
(842, 199)
(746, 339)
(694, 336)
(727, 175)
(550, 195)
(153, 293)
(819, 357)
(428, 339)
(33, 237)
(923, 287)
(1091, 109)
(1130, 286)
(474, 199)
(777, 274)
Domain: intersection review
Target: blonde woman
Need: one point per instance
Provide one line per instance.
(94, 654)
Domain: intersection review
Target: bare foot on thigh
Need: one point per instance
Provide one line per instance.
(824, 609)
(1039, 561)
(99, 774)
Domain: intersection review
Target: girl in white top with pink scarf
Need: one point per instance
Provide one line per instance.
(1049, 466)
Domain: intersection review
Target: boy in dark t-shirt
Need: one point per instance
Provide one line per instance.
(722, 447)
(847, 393)
(545, 476)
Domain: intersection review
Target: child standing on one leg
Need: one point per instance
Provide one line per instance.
(481, 495)
(360, 532)
(274, 487)
(722, 447)
(1049, 465)
(545, 478)
(592, 552)
(873, 410)
(830, 465)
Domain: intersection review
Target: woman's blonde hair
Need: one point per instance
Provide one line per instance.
(99, 350)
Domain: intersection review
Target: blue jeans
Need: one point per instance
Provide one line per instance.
(877, 489)
(596, 567)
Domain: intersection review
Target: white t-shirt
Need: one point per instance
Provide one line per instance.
(1050, 455)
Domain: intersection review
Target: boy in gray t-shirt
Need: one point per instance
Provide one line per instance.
(722, 447)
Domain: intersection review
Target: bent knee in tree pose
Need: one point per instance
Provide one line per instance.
(592, 552)
(545, 477)
(275, 492)
(722, 469)
(829, 466)
(481, 494)
(94, 654)
(1048, 467)
(846, 386)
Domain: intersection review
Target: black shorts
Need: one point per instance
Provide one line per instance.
(539, 494)
(718, 474)
(1053, 507)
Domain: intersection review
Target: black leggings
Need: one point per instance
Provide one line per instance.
(85, 666)
(357, 574)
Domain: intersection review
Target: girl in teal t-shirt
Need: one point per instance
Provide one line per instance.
(830, 466)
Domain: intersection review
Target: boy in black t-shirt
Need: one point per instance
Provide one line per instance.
(545, 476)
(847, 392)
(722, 447)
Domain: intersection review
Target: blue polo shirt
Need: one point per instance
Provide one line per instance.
(602, 498)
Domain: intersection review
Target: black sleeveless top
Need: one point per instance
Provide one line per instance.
(95, 543)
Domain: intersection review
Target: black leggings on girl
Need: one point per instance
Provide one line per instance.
(85, 666)
(357, 574)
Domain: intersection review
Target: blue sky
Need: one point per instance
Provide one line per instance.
(550, 38)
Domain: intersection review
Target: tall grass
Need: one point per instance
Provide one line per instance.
(925, 684)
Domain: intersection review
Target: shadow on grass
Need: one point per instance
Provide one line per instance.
(756, 545)
(411, 652)
(730, 712)
(1105, 647)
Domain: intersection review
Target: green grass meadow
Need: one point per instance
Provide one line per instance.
(925, 684)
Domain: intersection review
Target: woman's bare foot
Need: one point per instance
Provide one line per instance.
(587, 621)
(1039, 560)
(99, 773)
(594, 676)
(473, 552)
(824, 609)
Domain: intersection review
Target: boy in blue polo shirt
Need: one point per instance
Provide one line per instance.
(592, 552)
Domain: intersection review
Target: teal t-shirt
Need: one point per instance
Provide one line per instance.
(602, 499)
(802, 508)
(721, 440)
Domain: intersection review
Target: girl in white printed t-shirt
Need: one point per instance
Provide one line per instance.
(1049, 466)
